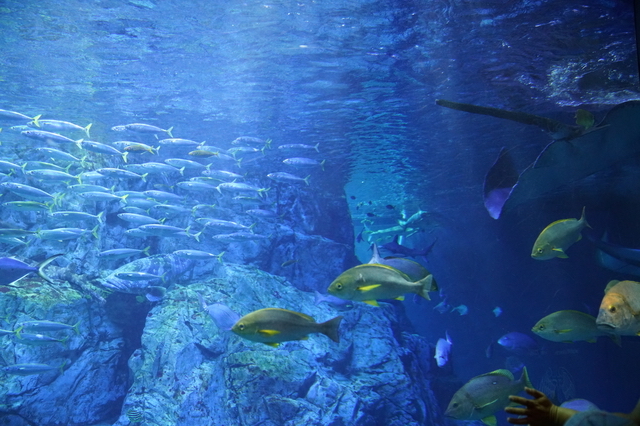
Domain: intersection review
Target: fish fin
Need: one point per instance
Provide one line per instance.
(490, 421)
(372, 303)
(155, 293)
(268, 332)
(566, 330)
(400, 298)
(525, 378)
(368, 287)
(273, 344)
(75, 327)
(592, 340)
(560, 253)
(426, 285)
(304, 338)
(616, 339)
(330, 328)
(43, 265)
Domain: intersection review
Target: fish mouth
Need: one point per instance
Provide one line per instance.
(605, 326)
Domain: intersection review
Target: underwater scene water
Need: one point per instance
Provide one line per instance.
(316, 213)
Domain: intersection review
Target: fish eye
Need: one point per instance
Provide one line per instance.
(539, 251)
(339, 286)
(541, 327)
(241, 327)
(612, 309)
(455, 404)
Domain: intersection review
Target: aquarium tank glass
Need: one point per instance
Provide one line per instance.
(318, 213)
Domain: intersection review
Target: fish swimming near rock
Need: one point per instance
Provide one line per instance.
(221, 314)
(557, 237)
(30, 369)
(168, 266)
(443, 348)
(370, 282)
(620, 308)
(11, 270)
(482, 396)
(273, 326)
(570, 326)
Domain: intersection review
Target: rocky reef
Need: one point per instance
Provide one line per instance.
(187, 371)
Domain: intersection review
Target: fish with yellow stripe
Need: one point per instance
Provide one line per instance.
(557, 237)
(371, 282)
(273, 326)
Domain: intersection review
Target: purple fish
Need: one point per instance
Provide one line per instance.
(519, 343)
(332, 300)
(224, 317)
(11, 270)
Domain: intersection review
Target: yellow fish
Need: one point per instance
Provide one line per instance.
(558, 237)
(272, 326)
(370, 282)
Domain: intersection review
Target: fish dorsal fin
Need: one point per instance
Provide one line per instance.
(610, 284)
(501, 372)
(368, 287)
(269, 332)
(372, 303)
(490, 421)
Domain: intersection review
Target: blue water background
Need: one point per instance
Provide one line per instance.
(361, 78)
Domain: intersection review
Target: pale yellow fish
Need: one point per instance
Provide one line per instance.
(620, 309)
(371, 282)
(273, 326)
(556, 238)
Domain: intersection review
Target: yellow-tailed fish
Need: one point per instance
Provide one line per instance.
(371, 282)
(273, 326)
(556, 238)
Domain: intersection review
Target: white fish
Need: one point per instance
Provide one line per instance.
(443, 347)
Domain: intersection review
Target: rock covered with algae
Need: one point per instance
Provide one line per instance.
(190, 372)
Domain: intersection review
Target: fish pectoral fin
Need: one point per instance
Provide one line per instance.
(273, 344)
(400, 298)
(490, 421)
(268, 332)
(566, 330)
(594, 340)
(479, 407)
(560, 253)
(304, 338)
(372, 303)
(368, 287)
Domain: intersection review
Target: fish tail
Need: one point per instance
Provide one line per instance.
(17, 332)
(330, 328)
(146, 250)
(220, 257)
(61, 368)
(583, 218)
(86, 129)
(426, 285)
(101, 217)
(35, 120)
(75, 327)
(317, 146)
(524, 379)
(44, 264)
(322, 164)
(306, 180)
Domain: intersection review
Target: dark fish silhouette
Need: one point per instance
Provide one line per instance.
(11, 270)
(396, 248)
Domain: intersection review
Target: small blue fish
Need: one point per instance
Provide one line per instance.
(461, 309)
(334, 301)
(497, 311)
(11, 270)
(519, 343)
(221, 314)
